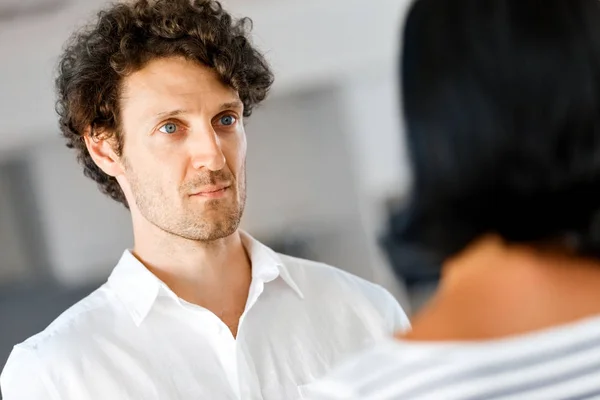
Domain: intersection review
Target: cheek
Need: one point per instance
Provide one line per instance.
(235, 153)
(243, 147)
(149, 174)
(163, 160)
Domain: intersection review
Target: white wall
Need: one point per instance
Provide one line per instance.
(300, 168)
(85, 231)
(371, 104)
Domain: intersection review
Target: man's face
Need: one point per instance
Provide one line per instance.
(184, 149)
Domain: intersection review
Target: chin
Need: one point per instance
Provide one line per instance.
(215, 235)
(215, 230)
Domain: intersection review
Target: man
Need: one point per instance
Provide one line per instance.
(153, 97)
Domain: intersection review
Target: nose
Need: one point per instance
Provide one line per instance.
(206, 151)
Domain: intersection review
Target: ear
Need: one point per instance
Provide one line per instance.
(102, 151)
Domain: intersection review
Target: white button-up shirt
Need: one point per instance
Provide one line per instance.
(133, 338)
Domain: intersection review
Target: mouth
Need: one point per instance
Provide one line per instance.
(211, 192)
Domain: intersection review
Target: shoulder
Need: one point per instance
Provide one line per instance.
(312, 273)
(59, 347)
(70, 333)
(534, 365)
(330, 285)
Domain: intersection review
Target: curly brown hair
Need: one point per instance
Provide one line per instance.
(123, 40)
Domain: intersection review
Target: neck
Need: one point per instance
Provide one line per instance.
(215, 275)
(494, 290)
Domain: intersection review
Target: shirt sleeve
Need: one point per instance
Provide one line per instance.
(24, 377)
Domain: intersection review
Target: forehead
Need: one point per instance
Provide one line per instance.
(174, 82)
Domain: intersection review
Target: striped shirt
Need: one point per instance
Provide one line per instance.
(559, 363)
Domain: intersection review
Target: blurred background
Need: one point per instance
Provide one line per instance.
(326, 161)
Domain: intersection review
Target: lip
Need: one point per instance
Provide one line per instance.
(212, 191)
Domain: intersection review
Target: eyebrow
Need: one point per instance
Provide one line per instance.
(173, 113)
(232, 104)
(169, 114)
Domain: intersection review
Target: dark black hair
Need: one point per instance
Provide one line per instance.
(502, 107)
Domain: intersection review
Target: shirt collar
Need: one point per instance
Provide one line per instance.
(135, 286)
(267, 264)
(138, 288)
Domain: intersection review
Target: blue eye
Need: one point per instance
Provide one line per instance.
(169, 128)
(227, 120)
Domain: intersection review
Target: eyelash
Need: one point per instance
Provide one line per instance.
(181, 126)
(235, 118)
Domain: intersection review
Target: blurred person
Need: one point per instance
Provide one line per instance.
(502, 109)
(153, 98)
